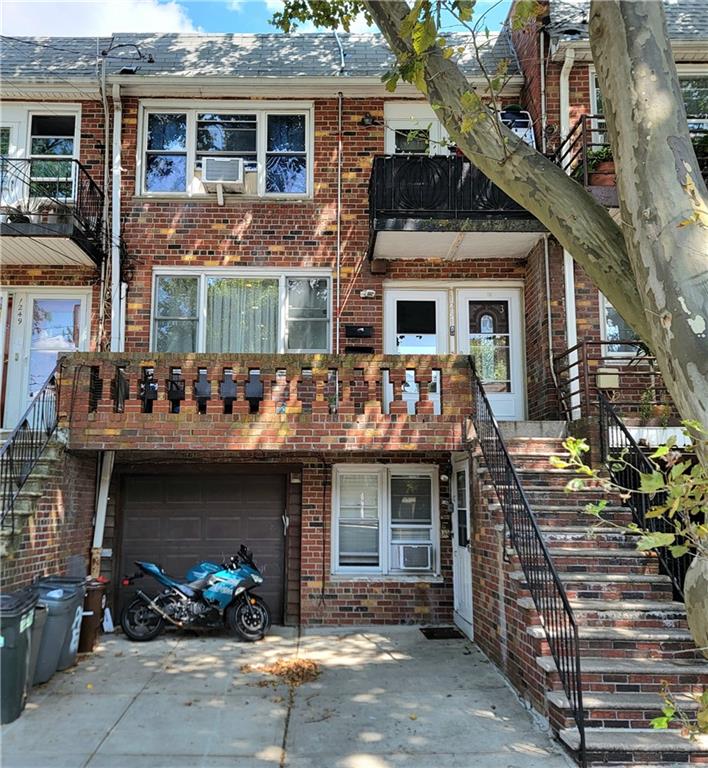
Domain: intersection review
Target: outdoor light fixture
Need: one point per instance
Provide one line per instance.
(369, 120)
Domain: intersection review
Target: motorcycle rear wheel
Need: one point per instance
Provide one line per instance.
(249, 618)
(140, 623)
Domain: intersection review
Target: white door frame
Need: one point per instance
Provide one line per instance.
(463, 614)
(512, 405)
(440, 296)
(21, 339)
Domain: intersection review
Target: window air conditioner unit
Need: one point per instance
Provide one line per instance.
(224, 172)
(415, 557)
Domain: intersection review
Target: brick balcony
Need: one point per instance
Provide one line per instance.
(284, 403)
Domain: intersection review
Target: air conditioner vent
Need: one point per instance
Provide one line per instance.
(226, 171)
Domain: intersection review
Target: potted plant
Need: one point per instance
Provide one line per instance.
(601, 167)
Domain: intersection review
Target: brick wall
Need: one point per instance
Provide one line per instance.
(58, 536)
(328, 599)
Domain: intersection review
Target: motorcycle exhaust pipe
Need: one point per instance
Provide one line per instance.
(155, 607)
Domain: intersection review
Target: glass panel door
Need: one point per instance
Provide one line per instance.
(489, 322)
(56, 327)
(416, 322)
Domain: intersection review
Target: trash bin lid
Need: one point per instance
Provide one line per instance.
(54, 593)
(17, 603)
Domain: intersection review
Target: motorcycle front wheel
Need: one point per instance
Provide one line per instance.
(249, 618)
(140, 622)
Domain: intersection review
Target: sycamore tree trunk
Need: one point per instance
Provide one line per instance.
(663, 198)
(650, 268)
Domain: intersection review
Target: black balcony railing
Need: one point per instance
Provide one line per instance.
(438, 187)
(24, 447)
(629, 462)
(544, 583)
(587, 145)
(39, 196)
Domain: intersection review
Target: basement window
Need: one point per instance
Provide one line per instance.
(385, 520)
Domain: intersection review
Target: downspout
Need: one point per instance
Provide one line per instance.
(548, 309)
(571, 329)
(104, 216)
(116, 294)
(340, 149)
(542, 67)
(107, 459)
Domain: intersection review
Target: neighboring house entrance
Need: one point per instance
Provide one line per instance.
(484, 322)
(200, 513)
(40, 325)
(461, 555)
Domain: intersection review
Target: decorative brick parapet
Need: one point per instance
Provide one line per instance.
(265, 402)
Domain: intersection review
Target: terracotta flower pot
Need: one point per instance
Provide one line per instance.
(603, 174)
(695, 591)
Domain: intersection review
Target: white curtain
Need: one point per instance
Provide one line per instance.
(242, 315)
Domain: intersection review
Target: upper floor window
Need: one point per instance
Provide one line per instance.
(615, 329)
(273, 145)
(226, 311)
(51, 152)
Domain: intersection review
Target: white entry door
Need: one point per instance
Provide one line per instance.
(461, 546)
(489, 323)
(416, 323)
(44, 324)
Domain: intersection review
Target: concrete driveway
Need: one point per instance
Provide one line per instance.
(385, 698)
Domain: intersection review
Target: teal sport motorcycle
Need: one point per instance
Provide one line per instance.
(210, 596)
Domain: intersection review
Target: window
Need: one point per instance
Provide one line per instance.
(166, 155)
(412, 142)
(385, 519)
(4, 141)
(226, 311)
(274, 146)
(614, 328)
(51, 153)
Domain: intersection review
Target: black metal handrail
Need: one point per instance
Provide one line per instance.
(587, 142)
(544, 583)
(616, 442)
(52, 187)
(441, 186)
(22, 450)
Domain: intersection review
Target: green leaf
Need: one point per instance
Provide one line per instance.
(651, 483)
(558, 463)
(655, 540)
(424, 35)
(662, 450)
(660, 723)
(678, 550)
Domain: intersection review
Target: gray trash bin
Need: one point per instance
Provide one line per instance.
(61, 604)
(40, 619)
(76, 586)
(16, 616)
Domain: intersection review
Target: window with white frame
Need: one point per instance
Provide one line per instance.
(385, 519)
(52, 139)
(226, 311)
(274, 145)
(615, 329)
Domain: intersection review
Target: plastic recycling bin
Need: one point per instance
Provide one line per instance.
(76, 586)
(40, 619)
(16, 617)
(93, 614)
(61, 630)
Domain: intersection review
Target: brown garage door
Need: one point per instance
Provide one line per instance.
(179, 519)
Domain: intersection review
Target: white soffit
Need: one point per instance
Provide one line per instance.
(454, 246)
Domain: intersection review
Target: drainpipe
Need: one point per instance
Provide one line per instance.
(542, 73)
(104, 218)
(571, 329)
(116, 293)
(104, 480)
(548, 309)
(340, 149)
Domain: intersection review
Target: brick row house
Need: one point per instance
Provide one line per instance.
(263, 277)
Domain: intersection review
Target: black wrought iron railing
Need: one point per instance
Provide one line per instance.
(587, 146)
(25, 445)
(442, 187)
(626, 461)
(44, 191)
(544, 583)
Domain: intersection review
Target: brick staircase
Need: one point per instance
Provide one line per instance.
(633, 635)
(32, 496)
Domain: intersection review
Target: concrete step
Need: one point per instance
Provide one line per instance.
(627, 606)
(637, 671)
(633, 634)
(623, 586)
(602, 743)
(513, 431)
